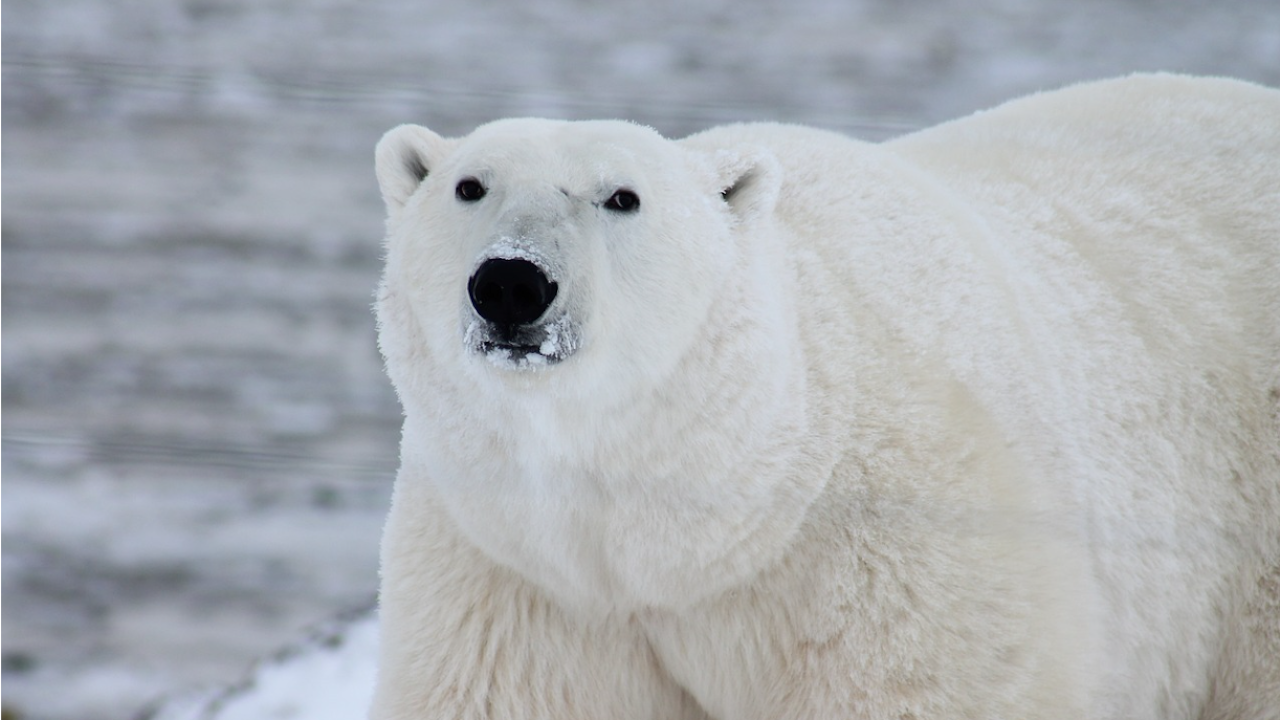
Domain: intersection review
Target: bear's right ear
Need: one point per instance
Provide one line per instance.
(403, 159)
(749, 180)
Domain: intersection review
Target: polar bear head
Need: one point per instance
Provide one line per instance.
(533, 244)
(586, 327)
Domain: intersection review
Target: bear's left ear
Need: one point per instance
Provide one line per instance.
(403, 159)
(748, 178)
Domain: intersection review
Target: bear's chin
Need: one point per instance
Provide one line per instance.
(525, 348)
(517, 357)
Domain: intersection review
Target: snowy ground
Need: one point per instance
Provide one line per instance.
(198, 442)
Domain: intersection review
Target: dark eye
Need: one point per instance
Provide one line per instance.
(470, 190)
(623, 201)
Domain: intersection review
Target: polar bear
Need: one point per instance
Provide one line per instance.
(982, 422)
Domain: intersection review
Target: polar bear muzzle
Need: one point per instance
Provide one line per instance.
(511, 297)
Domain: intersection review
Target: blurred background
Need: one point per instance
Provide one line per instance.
(198, 440)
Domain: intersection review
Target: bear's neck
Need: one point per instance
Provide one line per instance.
(656, 499)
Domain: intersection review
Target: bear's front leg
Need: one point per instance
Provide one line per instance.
(462, 637)
(887, 609)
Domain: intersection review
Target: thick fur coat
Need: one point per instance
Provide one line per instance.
(982, 422)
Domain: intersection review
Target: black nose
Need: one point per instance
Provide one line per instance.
(510, 291)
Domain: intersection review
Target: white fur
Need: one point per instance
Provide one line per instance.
(983, 422)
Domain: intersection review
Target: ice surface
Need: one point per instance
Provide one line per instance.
(198, 438)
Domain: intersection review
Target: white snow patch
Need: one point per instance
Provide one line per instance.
(519, 248)
(330, 677)
(560, 340)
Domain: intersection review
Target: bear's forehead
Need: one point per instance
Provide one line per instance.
(552, 145)
(566, 131)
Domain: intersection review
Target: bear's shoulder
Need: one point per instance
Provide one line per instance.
(1137, 114)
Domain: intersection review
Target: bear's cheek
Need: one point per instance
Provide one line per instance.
(427, 284)
(655, 297)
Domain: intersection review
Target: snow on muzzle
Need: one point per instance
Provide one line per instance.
(513, 324)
